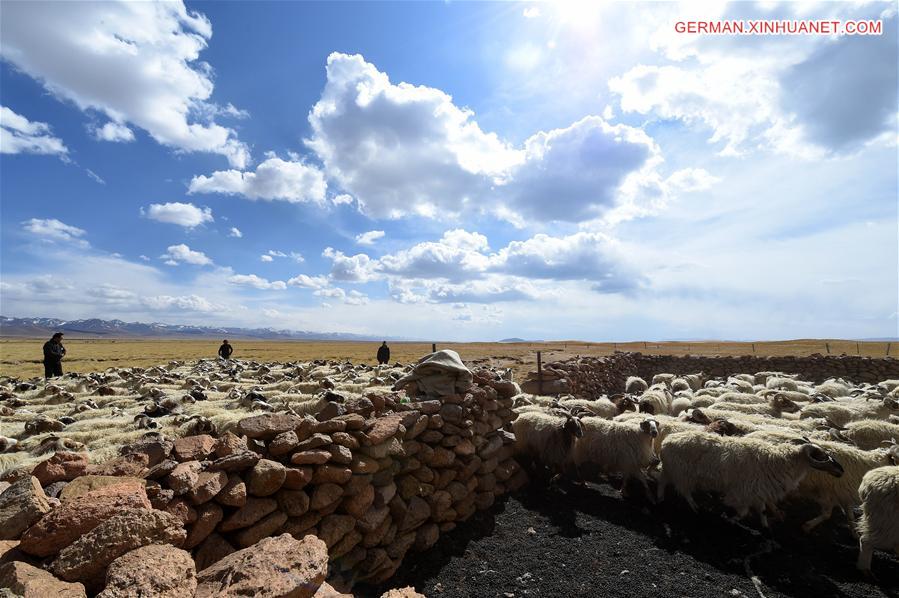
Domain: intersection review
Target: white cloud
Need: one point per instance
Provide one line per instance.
(144, 258)
(235, 232)
(177, 254)
(369, 238)
(93, 175)
(149, 50)
(403, 149)
(183, 214)
(342, 199)
(188, 303)
(345, 268)
(251, 280)
(266, 258)
(53, 230)
(18, 135)
(308, 282)
(356, 298)
(272, 254)
(331, 293)
(274, 179)
(531, 12)
(114, 132)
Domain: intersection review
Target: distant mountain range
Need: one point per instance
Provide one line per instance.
(96, 328)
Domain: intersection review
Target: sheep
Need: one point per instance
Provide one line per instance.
(601, 407)
(55, 444)
(42, 425)
(833, 388)
(842, 412)
(747, 422)
(655, 401)
(695, 381)
(680, 404)
(879, 523)
(7, 444)
(748, 473)
(740, 385)
(665, 379)
(742, 397)
(679, 384)
(776, 407)
(621, 447)
(547, 438)
(867, 434)
(635, 384)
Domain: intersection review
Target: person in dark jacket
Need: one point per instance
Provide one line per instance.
(53, 354)
(225, 350)
(383, 353)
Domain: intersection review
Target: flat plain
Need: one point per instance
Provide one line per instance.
(22, 357)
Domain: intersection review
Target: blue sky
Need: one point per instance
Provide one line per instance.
(453, 171)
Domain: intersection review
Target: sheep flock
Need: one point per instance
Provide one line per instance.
(754, 441)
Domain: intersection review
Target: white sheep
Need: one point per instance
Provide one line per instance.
(665, 379)
(635, 384)
(616, 447)
(547, 438)
(656, 400)
(867, 434)
(842, 412)
(776, 406)
(879, 523)
(748, 473)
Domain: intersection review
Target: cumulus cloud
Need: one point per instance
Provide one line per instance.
(274, 179)
(149, 50)
(251, 280)
(266, 258)
(235, 232)
(51, 229)
(188, 303)
(404, 149)
(308, 282)
(183, 214)
(369, 238)
(114, 132)
(177, 254)
(271, 254)
(18, 135)
(346, 268)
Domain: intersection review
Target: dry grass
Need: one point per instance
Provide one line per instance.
(21, 357)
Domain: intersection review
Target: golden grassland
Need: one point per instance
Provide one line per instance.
(22, 357)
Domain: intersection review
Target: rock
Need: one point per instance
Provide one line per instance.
(384, 428)
(194, 448)
(184, 477)
(340, 454)
(283, 443)
(262, 529)
(314, 457)
(332, 474)
(87, 558)
(325, 495)
(156, 450)
(235, 462)
(254, 510)
(313, 442)
(134, 465)
(334, 527)
(326, 590)
(161, 469)
(407, 592)
(293, 502)
(158, 570)
(358, 504)
(363, 464)
(275, 567)
(229, 444)
(181, 509)
(297, 477)
(63, 466)
(298, 527)
(78, 516)
(209, 515)
(212, 550)
(9, 551)
(265, 478)
(89, 483)
(267, 426)
(30, 582)
(345, 439)
(208, 484)
(234, 494)
(21, 505)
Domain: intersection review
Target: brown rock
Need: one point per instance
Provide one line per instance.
(234, 494)
(340, 454)
(363, 464)
(89, 483)
(229, 444)
(63, 466)
(134, 465)
(324, 495)
(297, 477)
(274, 567)
(293, 502)
(30, 582)
(250, 513)
(78, 516)
(300, 526)
(209, 515)
(345, 439)
(314, 457)
(332, 474)
(161, 469)
(212, 550)
(407, 592)
(209, 483)
(236, 462)
(194, 448)
(267, 426)
(87, 558)
(426, 536)
(264, 528)
(158, 570)
(326, 590)
(265, 478)
(345, 544)
(184, 477)
(357, 483)
(181, 509)
(418, 513)
(384, 428)
(373, 518)
(329, 426)
(353, 421)
(313, 442)
(334, 527)
(9, 551)
(358, 504)
(283, 443)
(156, 450)
(21, 505)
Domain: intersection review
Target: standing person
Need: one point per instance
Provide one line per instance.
(225, 350)
(383, 353)
(53, 354)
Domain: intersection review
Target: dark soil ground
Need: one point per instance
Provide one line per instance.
(587, 541)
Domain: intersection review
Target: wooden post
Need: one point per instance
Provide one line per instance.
(753, 348)
(857, 351)
(644, 345)
(827, 346)
(433, 347)
(539, 374)
(888, 349)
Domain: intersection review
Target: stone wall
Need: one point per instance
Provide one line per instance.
(372, 478)
(591, 376)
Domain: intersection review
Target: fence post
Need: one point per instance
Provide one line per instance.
(644, 345)
(888, 349)
(857, 351)
(539, 374)
(827, 346)
(433, 347)
(753, 348)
